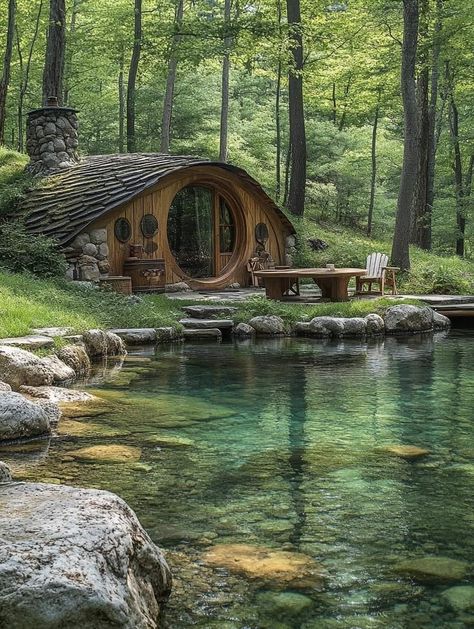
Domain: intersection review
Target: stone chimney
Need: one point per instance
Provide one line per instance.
(51, 138)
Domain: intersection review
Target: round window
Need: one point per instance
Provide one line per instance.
(149, 225)
(122, 229)
(261, 233)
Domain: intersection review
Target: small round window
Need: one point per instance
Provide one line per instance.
(261, 233)
(122, 230)
(149, 225)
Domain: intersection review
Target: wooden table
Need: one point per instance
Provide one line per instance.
(333, 284)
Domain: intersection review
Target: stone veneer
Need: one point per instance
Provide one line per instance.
(51, 139)
(87, 256)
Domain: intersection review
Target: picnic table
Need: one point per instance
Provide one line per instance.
(332, 282)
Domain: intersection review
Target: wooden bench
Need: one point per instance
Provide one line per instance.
(333, 283)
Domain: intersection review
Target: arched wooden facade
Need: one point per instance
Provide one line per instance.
(96, 193)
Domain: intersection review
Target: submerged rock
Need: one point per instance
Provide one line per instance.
(85, 429)
(20, 418)
(284, 604)
(276, 568)
(136, 336)
(460, 598)
(268, 324)
(107, 454)
(433, 569)
(76, 558)
(169, 441)
(406, 452)
(407, 318)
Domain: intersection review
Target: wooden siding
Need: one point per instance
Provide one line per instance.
(249, 209)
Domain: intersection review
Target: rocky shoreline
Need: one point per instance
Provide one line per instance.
(83, 559)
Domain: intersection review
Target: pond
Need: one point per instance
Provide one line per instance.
(282, 445)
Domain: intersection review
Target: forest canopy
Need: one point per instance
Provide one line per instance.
(223, 79)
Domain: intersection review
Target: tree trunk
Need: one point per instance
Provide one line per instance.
(458, 178)
(170, 81)
(69, 52)
(121, 99)
(373, 177)
(296, 193)
(277, 111)
(25, 73)
(401, 237)
(334, 103)
(132, 77)
(225, 85)
(419, 202)
(342, 121)
(7, 59)
(53, 74)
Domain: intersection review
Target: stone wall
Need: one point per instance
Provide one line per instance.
(87, 256)
(51, 139)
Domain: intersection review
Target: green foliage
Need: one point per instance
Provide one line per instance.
(22, 252)
(13, 180)
(430, 273)
(28, 302)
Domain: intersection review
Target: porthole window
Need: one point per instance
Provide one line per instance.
(122, 230)
(149, 225)
(261, 233)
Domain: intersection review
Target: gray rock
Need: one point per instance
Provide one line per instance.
(103, 343)
(98, 236)
(440, 322)
(375, 324)
(433, 569)
(234, 286)
(302, 328)
(89, 249)
(104, 267)
(20, 418)
(52, 332)
(203, 324)
(52, 411)
(136, 336)
(290, 241)
(34, 341)
(17, 367)
(76, 558)
(406, 318)
(75, 357)
(4, 387)
(460, 598)
(178, 287)
(354, 326)
(244, 330)
(59, 145)
(89, 272)
(103, 249)
(206, 333)
(208, 312)
(326, 326)
(268, 324)
(61, 371)
(80, 240)
(5, 473)
(57, 394)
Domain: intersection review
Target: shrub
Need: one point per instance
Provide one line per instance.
(22, 252)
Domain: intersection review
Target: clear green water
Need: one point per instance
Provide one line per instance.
(283, 448)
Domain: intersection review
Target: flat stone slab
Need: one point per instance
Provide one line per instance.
(206, 324)
(136, 336)
(53, 332)
(34, 341)
(206, 333)
(204, 312)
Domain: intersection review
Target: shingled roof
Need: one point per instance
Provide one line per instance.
(69, 201)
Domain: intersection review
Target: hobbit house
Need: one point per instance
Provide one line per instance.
(155, 218)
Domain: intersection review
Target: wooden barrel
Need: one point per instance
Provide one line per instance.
(147, 275)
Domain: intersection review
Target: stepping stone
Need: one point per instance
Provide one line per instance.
(205, 324)
(53, 332)
(35, 341)
(136, 336)
(202, 334)
(203, 312)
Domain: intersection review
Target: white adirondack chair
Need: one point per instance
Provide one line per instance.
(377, 273)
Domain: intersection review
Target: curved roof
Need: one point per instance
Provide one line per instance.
(68, 201)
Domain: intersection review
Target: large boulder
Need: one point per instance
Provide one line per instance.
(406, 318)
(76, 357)
(374, 324)
(103, 343)
(18, 367)
(244, 330)
(76, 558)
(5, 473)
(268, 324)
(136, 336)
(21, 418)
(354, 326)
(61, 371)
(326, 326)
(440, 322)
